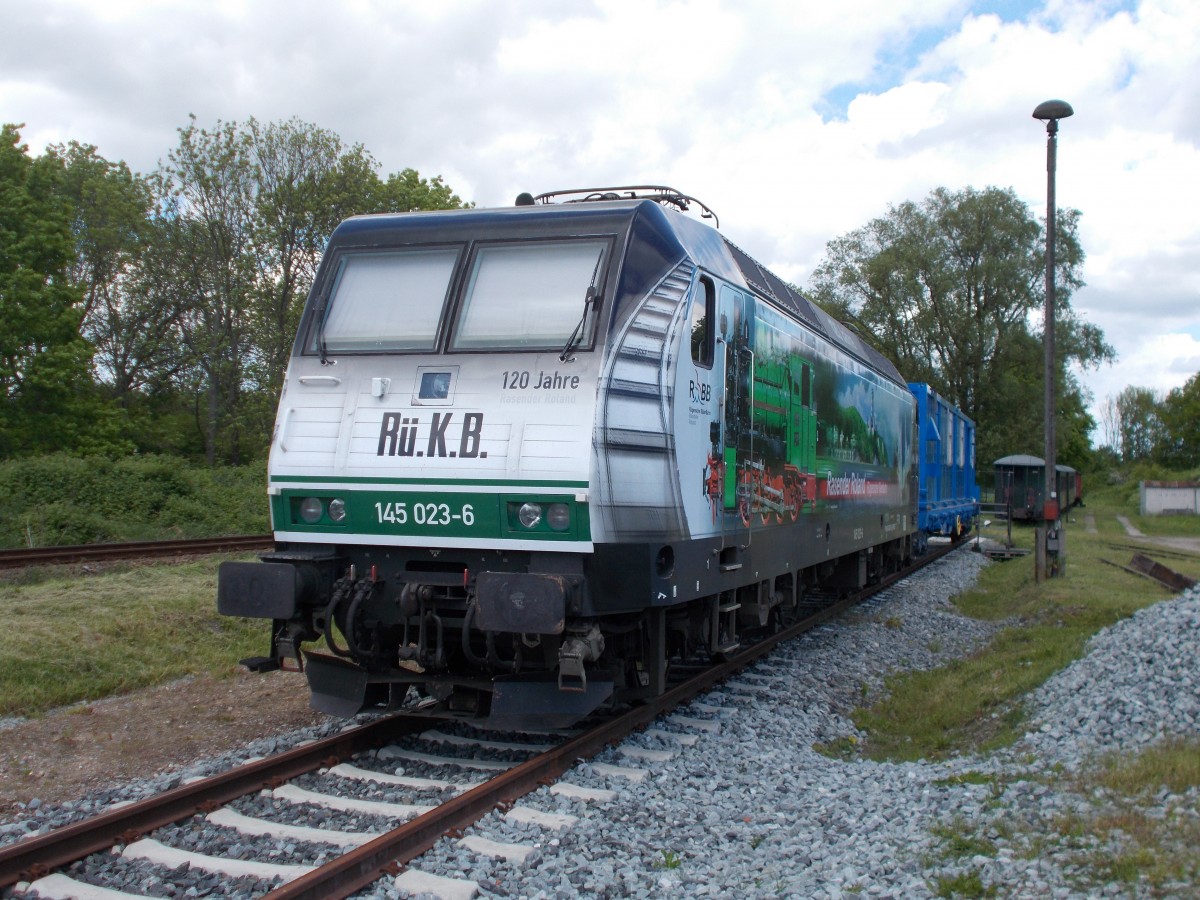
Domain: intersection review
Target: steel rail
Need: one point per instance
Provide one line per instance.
(35, 856)
(388, 853)
(1148, 546)
(82, 553)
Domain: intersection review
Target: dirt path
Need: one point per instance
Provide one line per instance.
(70, 752)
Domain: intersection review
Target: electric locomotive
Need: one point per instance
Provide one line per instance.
(526, 459)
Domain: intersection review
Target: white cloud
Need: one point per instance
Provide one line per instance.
(796, 121)
(1159, 362)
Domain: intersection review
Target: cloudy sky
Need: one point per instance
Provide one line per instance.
(796, 120)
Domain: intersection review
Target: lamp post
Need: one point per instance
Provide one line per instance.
(1048, 554)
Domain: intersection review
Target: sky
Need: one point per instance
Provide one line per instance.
(797, 121)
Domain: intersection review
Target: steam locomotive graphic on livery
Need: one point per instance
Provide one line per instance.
(525, 458)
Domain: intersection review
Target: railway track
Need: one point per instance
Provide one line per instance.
(512, 768)
(85, 553)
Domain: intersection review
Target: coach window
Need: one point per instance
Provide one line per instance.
(532, 295)
(387, 301)
(703, 300)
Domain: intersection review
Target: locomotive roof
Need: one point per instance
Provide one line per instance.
(766, 282)
(702, 242)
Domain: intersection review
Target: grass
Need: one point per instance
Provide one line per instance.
(1163, 850)
(1137, 828)
(1173, 765)
(957, 841)
(964, 884)
(72, 639)
(668, 860)
(975, 704)
(59, 499)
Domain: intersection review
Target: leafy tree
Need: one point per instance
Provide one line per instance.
(246, 212)
(110, 210)
(1140, 428)
(128, 315)
(130, 301)
(48, 398)
(208, 190)
(307, 182)
(406, 191)
(1179, 413)
(948, 289)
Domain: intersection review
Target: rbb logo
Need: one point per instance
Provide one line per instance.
(400, 434)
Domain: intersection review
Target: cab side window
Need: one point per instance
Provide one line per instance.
(703, 305)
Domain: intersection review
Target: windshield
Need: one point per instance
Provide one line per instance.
(387, 301)
(529, 295)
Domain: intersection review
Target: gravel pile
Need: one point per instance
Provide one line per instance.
(752, 810)
(1146, 669)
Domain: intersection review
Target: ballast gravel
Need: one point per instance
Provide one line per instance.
(746, 807)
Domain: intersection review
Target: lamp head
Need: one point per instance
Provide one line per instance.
(1053, 110)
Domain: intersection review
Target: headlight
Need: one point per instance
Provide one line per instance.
(558, 516)
(311, 510)
(337, 509)
(530, 514)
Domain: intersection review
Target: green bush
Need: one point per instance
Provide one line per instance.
(61, 499)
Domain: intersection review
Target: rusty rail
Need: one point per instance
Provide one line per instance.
(388, 853)
(36, 855)
(1157, 572)
(84, 553)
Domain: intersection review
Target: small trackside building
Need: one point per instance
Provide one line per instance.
(1169, 498)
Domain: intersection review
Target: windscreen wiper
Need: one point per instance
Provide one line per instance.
(577, 334)
(323, 312)
(591, 296)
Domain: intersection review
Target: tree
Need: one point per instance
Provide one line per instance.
(1179, 414)
(948, 289)
(48, 397)
(1140, 428)
(128, 316)
(307, 181)
(208, 187)
(1110, 424)
(406, 191)
(246, 212)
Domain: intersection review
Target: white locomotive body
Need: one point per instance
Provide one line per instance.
(526, 457)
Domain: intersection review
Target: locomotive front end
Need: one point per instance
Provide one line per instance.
(429, 472)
